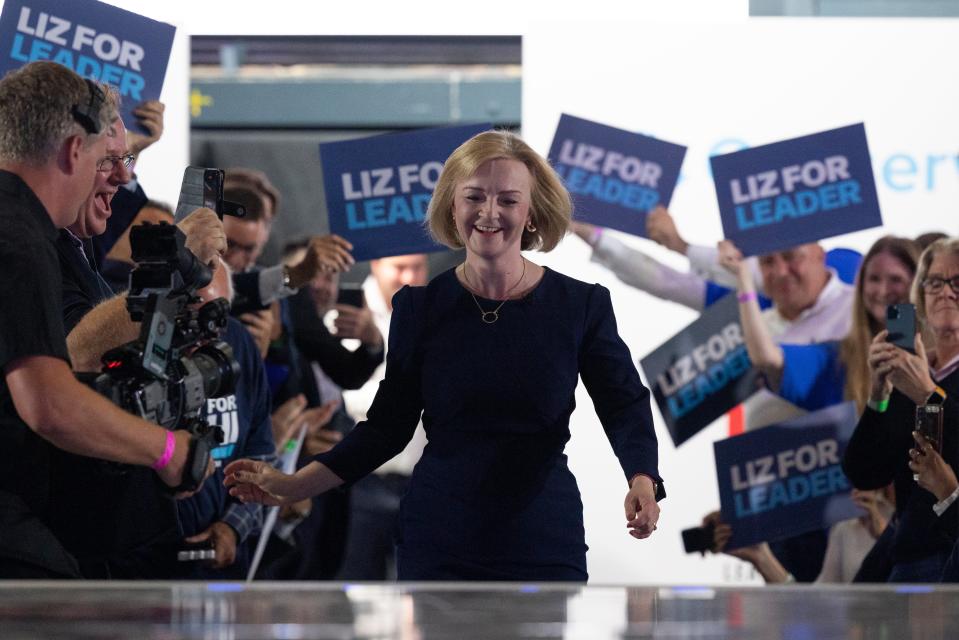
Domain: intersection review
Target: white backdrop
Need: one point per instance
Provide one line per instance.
(714, 84)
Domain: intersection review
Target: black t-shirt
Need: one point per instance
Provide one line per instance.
(31, 324)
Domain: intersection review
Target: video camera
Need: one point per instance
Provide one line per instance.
(167, 374)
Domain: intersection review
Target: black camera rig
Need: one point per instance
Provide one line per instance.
(178, 362)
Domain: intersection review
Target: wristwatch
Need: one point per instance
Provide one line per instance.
(655, 484)
(938, 396)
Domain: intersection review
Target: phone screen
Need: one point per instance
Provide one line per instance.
(929, 424)
(351, 295)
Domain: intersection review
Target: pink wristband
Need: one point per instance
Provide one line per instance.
(749, 296)
(164, 460)
(594, 238)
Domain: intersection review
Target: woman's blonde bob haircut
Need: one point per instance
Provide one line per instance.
(550, 208)
(945, 245)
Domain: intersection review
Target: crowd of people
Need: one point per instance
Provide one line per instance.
(444, 465)
(415, 430)
(819, 341)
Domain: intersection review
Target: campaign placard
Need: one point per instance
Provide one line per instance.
(796, 191)
(614, 176)
(786, 479)
(702, 372)
(378, 188)
(96, 40)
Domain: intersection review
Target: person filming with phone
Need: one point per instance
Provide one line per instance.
(910, 389)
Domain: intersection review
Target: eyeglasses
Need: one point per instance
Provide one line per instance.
(109, 163)
(934, 284)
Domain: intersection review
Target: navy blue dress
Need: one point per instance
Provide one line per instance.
(492, 497)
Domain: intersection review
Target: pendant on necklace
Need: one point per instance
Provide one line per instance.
(489, 317)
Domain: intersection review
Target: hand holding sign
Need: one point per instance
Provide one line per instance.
(330, 254)
(150, 116)
(661, 228)
(730, 258)
(868, 501)
(759, 555)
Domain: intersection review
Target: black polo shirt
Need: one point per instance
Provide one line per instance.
(31, 324)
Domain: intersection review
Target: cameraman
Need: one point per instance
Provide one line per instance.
(51, 138)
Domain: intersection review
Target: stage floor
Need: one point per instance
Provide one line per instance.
(228, 611)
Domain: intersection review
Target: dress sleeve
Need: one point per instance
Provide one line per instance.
(396, 409)
(813, 377)
(620, 399)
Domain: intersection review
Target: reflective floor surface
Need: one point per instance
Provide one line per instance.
(226, 611)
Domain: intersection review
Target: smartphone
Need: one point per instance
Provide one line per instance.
(202, 187)
(929, 424)
(351, 294)
(202, 551)
(901, 325)
(698, 539)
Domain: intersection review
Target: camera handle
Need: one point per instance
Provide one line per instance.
(203, 439)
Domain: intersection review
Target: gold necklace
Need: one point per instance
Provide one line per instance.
(489, 317)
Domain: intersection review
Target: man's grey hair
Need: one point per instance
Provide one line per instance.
(36, 105)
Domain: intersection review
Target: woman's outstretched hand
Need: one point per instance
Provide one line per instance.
(258, 481)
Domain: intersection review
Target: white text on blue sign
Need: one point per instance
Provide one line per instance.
(706, 370)
(48, 37)
(609, 176)
(383, 197)
(794, 191)
(788, 477)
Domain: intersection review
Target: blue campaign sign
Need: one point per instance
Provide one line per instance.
(786, 479)
(96, 40)
(615, 177)
(702, 372)
(378, 188)
(796, 191)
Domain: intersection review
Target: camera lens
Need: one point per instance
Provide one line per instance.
(892, 312)
(219, 369)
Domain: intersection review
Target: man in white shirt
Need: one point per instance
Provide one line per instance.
(811, 304)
